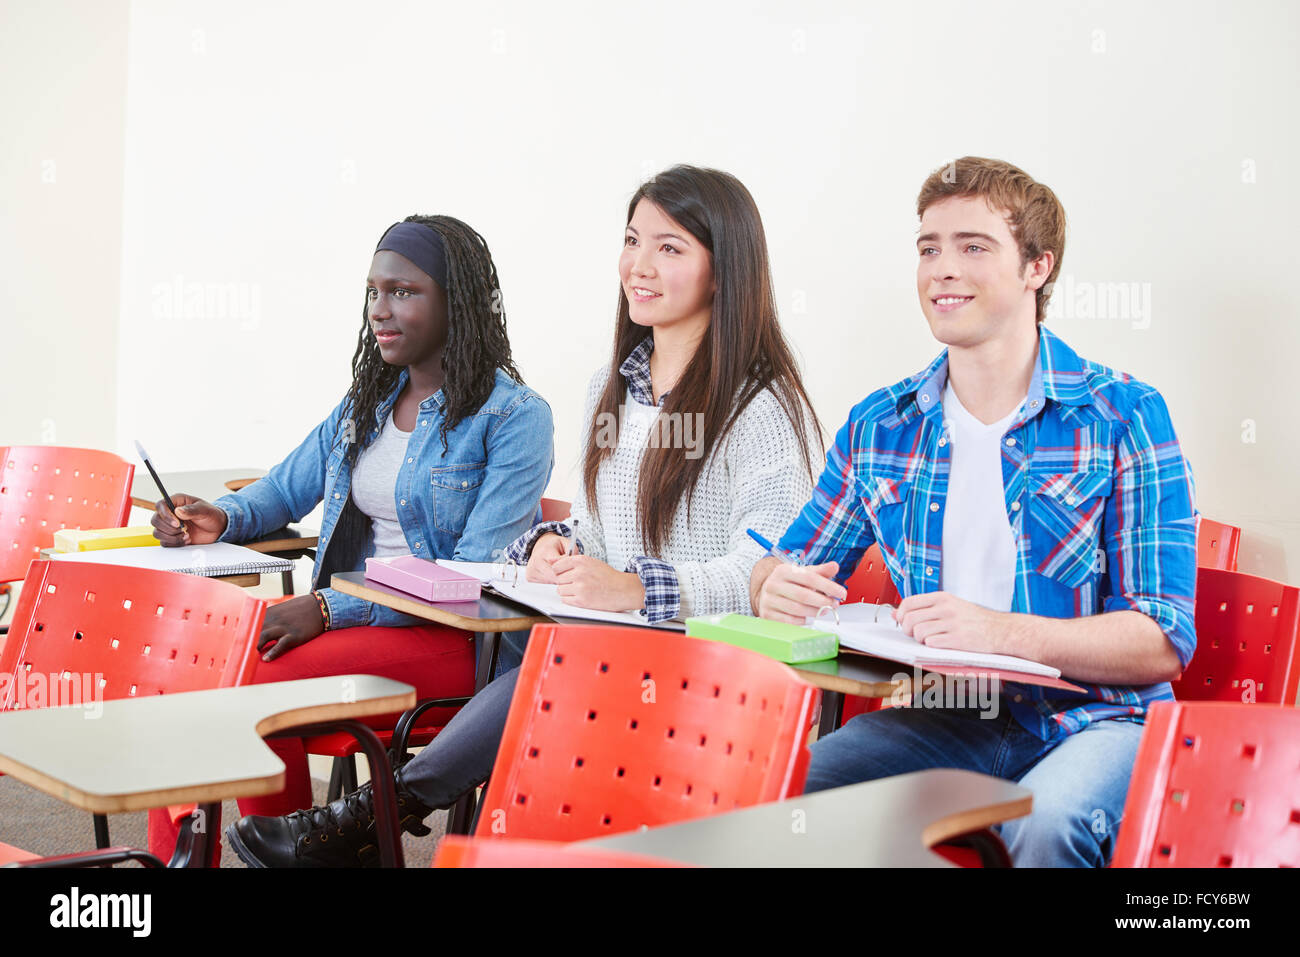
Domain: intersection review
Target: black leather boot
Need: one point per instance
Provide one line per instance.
(339, 834)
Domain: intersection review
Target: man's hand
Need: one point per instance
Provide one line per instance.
(793, 593)
(288, 625)
(942, 620)
(589, 583)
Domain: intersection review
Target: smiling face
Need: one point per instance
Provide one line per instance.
(969, 278)
(667, 274)
(407, 312)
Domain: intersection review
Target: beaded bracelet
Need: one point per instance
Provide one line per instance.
(324, 609)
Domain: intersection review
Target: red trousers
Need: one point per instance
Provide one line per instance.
(437, 660)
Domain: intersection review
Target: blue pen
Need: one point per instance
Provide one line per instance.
(772, 550)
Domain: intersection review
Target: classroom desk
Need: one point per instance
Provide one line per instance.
(892, 822)
(292, 541)
(211, 741)
(850, 673)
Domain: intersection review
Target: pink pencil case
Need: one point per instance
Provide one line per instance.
(422, 578)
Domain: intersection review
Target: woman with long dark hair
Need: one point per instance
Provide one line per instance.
(698, 429)
(438, 450)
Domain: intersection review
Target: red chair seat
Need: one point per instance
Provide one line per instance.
(11, 855)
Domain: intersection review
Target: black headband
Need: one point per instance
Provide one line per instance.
(421, 245)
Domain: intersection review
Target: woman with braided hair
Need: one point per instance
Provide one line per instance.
(438, 450)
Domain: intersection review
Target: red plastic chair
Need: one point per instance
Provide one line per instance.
(1214, 785)
(118, 632)
(1216, 545)
(872, 583)
(44, 488)
(1245, 640)
(614, 727)
(555, 510)
(458, 851)
(433, 715)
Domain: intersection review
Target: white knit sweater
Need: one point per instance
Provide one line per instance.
(756, 478)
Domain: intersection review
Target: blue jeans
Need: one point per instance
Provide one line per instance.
(1079, 785)
(462, 755)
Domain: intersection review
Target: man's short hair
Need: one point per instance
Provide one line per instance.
(1034, 214)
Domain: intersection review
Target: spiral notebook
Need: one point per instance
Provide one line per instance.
(544, 598)
(872, 630)
(212, 561)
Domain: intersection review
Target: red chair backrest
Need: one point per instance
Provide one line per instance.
(554, 510)
(126, 632)
(1245, 640)
(871, 581)
(1216, 545)
(457, 851)
(1214, 785)
(614, 727)
(44, 488)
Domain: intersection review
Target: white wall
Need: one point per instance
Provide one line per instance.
(268, 145)
(62, 112)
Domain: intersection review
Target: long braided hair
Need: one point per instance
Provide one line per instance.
(476, 347)
(477, 344)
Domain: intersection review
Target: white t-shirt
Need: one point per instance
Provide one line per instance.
(979, 549)
(374, 480)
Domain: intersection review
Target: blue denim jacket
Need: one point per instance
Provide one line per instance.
(466, 503)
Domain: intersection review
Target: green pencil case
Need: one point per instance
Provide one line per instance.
(792, 644)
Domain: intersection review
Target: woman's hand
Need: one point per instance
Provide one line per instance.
(589, 583)
(547, 550)
(196, 522)
(288, 625)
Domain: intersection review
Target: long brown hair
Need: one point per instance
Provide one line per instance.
(742, 353)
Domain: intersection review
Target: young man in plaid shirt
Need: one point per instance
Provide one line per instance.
(1027, 502)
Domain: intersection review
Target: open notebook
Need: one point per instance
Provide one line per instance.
(212, 561)
(871, 629)
(544, 598)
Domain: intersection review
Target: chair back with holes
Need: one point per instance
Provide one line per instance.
(871, 581)
(1216, 545)
(44, 488)
(555, 510)
(612, 728)
(125, 632)
(1245, 640)
(1214, 785)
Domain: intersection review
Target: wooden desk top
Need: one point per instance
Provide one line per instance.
(131, 754)
(891, 822)
(856, 674)
(851, 673)
(489, 613)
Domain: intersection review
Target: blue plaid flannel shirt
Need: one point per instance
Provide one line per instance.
(1098, 494)
(658, 578)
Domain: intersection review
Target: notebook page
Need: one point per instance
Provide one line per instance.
(871, 629)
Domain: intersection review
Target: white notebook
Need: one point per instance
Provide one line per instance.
(212, 561)
(544, 598)
(871, 629)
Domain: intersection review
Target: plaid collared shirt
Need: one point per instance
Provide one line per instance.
(658, 578)
(1098, 494)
